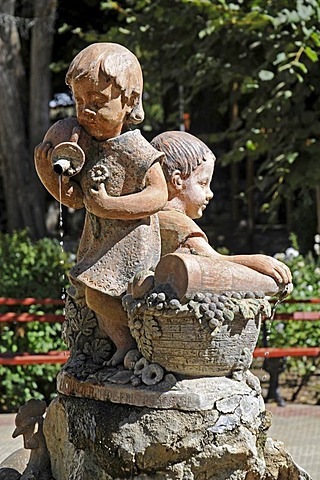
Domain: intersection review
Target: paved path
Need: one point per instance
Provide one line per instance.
(298, 426)
(7, 443)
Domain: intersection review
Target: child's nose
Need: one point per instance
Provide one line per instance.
(210, 194)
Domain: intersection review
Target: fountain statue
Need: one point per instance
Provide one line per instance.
(161, 328)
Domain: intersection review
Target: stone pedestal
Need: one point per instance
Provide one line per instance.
(227, 440)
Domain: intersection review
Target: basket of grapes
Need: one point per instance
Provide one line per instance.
(206, 334)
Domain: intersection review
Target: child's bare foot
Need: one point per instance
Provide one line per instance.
(112, 322)
(119, 355)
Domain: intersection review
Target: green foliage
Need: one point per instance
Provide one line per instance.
(306, 280)
(255, 67)
(305, 270)
(274, 68)
(21, 383)
(30, 269)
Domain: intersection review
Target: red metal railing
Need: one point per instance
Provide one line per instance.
(25, 358)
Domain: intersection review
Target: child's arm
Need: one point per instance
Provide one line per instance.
(264, 264)
(134, 206)
(260, 263)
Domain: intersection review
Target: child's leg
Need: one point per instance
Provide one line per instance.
(113, 322)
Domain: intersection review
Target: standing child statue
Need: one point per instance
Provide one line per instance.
(119, 181)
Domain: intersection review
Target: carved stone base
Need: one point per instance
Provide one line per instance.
(196, 394)
(89, 439)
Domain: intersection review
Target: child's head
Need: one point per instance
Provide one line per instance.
(188, 168)
(113, 62)
(183, 152)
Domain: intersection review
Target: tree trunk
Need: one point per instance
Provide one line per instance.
(24, 194)
(318, 208)
(40, 79)
(234, 166)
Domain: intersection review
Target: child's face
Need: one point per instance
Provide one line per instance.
(101, 109)
(196, 192)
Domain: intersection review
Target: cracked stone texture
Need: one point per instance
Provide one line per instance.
(89, 439)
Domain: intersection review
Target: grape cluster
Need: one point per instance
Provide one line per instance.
(212, 305)
(162, 297)
(162, 300)
(217, 307)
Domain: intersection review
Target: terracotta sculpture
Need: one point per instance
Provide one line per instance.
(188, 168)
(116, 176)
(199, 313)
(193, 314)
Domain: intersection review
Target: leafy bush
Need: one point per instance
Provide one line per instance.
(306, 280)
(30, 269)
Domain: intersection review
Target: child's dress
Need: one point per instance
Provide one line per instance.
(176, 228)
(111, 251)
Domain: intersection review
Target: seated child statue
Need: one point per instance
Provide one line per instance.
(188, 168)
(121, 184)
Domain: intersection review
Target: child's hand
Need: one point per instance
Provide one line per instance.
(133, 206)
(42, 152)
(270, 266)
(96, 201)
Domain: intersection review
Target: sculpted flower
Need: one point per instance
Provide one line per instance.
(99, 173)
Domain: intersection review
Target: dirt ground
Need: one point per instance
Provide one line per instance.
(294, 386)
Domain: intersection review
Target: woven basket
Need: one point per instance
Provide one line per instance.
(183, 343)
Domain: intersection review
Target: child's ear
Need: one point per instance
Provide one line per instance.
(176, 179)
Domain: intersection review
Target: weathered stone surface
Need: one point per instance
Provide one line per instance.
(188, 274)
(209, 334)
(57, 432)
(111, 441)
(280, 464)
(94, 161)
(89, 439)
(142, 443)
(196, 394)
